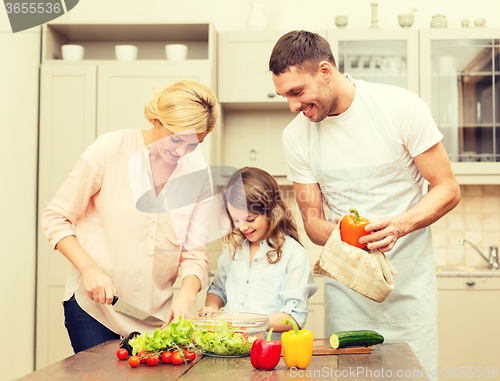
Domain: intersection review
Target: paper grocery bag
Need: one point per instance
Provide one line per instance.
(366, 272)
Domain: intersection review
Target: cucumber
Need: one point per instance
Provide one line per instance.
(360, 338)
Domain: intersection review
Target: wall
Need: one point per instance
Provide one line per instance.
(286, 14)
(477, 219)
(19, 63)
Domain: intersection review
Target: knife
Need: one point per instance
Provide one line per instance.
(126, 309)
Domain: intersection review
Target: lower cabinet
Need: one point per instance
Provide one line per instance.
(468, 327)
(316, 317)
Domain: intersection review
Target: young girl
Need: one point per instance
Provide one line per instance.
(265, 269)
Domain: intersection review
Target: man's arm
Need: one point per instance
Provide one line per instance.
(310, 201)
(443, 196)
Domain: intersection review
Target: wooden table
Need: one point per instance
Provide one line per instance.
(391, 361)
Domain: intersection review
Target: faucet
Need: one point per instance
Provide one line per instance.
(493, 260)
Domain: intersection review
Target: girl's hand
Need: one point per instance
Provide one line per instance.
(98, 286)
(209, 309)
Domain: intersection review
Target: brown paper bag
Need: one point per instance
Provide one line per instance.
(366, 272)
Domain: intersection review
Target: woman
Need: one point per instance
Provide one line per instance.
(129, 239)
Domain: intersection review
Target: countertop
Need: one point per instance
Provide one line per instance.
(448, 272)
(394, 361)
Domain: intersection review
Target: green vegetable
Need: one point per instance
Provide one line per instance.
(178, 334)
(222, 339)
(360, 338)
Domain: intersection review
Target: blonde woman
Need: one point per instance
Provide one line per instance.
(135, 228)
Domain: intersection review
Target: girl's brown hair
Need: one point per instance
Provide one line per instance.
(259, 195)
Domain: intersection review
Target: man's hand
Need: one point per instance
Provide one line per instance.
(385, 232)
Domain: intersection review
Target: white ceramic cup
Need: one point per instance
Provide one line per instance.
(126, 52)
(465, 23)
(72, 52)
(176, 52)
(479, 22)
(341, 21)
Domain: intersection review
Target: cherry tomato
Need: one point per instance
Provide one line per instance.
(177, 358)
(190, 356)
(122, 354)
(152, 360)
(142, 356)
(166, 357)
(134, 361)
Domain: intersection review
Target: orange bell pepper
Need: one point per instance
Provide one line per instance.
(352, 228)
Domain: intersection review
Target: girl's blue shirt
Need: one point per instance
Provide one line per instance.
(263, 287)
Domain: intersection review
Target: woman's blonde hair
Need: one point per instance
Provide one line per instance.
(260, 194)
(184, 105)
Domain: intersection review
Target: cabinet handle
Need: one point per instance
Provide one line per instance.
(470, 283)
(271, 95)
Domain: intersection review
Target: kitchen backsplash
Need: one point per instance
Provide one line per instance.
(476, 218)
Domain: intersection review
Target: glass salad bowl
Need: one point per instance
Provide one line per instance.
(227, 334)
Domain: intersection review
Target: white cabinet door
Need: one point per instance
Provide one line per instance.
(124, 89)
(244, 74)
(67, 127)
(253, 138)
(381, 56)
(468, 334)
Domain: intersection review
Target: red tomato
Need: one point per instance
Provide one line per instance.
(142, 356)
(190, 356)
(122, 354)
(166, 357)
(134, 361)
(153, 360)
(177, 358)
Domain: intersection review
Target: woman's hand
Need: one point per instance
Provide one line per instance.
(180, 307)
(184, 302)
(98, 285)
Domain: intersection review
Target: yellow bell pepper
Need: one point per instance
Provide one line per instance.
(297, 346)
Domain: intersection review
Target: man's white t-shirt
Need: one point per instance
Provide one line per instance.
(351, 139)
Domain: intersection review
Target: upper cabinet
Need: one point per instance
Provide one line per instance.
(244, 77)
(460, 81)
(378, 55)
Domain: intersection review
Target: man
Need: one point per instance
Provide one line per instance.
(368, 146)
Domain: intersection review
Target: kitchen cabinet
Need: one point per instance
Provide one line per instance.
(460, 81)
(316, 316)
(82, 100)
(253, 138)
(380, 55)
(244, 76)
(468, 333)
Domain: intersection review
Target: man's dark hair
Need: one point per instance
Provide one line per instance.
(302, 49)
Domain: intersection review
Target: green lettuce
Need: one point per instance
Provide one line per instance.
(222, 340)
(178, 334)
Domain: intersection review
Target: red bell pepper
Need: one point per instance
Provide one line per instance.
(265, 354)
